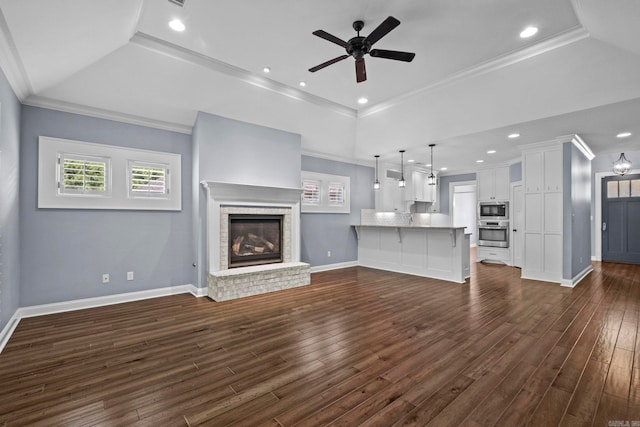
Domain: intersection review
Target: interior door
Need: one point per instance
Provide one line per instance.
(621, 219)
(517, 226)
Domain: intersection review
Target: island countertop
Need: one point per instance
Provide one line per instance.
(435, 227)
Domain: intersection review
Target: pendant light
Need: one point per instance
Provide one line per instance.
(622, 165)
(432, 178)
(402, 183)
(376, 183)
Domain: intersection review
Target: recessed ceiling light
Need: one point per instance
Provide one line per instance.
(443, 169)
(513, 135)
(479, 161)
(411, 161)
(623, 135)
(177, 25)
(428, 165)
(491, 152)
(362, 100)
(528, 32)
(266, 69)
(303, 84)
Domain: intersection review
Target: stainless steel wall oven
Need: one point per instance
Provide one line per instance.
(493, 233)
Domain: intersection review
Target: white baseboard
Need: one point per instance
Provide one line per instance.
(81, 304)
(7, 331)
(336, 266)
(573, 282)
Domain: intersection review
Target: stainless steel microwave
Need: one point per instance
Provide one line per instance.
(494, 211)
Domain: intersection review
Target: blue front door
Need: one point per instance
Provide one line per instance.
(621, 219)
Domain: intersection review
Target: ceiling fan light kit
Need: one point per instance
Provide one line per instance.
(358, 46)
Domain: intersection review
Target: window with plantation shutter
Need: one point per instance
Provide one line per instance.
(324, 193)
(311, 192)
(148, 180)
(83, 175)
(336, 194)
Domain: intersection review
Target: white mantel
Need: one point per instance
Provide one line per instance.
(229, 195)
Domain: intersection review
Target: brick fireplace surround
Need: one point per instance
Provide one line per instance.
(224, 199)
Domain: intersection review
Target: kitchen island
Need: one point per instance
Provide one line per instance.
(438, 252)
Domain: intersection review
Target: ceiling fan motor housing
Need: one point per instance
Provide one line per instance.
(358, 47)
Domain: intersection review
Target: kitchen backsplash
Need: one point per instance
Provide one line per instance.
(373, 217)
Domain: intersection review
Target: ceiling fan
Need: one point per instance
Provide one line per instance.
(359, 46)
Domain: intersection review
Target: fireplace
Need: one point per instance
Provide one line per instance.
(254, 239)
(258, 213)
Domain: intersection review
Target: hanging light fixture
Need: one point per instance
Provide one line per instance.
(432, 178)
(622, 165)
(376, 183)
(402, 183)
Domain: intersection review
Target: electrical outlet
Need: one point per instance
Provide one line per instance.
(129, 275)
(329, 254)
(105, 278)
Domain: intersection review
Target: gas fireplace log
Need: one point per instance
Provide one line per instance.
(262, 240)
(236, 244)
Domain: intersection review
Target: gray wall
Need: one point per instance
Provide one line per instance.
(515, 172)
(65, 252)
(576, 211)
(323, 232)
(227, 150)
(9, 201)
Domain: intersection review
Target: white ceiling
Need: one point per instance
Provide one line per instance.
(472, 82)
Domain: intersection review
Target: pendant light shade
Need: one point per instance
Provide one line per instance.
(622, 165)
(376, 183)
(432, 178)
(402, 183)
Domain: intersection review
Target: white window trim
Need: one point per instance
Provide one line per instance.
(120, 159)
(325, 206)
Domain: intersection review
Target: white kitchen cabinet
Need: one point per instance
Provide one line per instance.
(490, 254)
(418, 188)
(390, 197)
(542, 171)
(493, 184)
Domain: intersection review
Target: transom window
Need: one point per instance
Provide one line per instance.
(623, 188)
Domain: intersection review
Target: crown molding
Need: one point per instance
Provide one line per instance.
(341, 159)
(11, 63)
(178, 52)
(69, 107)
(571, 36)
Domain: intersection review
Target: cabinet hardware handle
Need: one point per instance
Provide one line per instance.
(604, 226)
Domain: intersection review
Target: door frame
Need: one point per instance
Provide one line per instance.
(511, 219)
(452, 186)
(596, 227)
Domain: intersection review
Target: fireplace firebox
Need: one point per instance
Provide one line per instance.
(254, 239)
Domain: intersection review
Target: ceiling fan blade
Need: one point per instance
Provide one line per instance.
(324, 35)
(392, 54)
(361, 71)
(382, 30)
(329, 62)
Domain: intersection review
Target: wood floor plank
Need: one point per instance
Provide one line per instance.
(356, 347)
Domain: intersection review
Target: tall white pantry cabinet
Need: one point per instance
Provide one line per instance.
(543, 213)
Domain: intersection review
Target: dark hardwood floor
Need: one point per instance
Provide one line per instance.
(356, 347)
